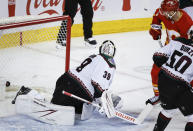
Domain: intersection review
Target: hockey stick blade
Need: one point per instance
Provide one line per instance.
(118, 114)
(144, 113)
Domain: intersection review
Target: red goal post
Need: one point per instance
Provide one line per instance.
(28, 31)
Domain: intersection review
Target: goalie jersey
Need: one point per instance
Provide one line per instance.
(95, 74)
(176, 59)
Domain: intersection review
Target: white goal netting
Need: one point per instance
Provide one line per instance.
(28, 53)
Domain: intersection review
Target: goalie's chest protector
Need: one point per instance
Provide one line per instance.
(94, 69)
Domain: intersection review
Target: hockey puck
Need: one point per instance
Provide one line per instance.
(13, 102)
(7, 84)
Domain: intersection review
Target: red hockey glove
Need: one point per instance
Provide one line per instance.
(155, 31)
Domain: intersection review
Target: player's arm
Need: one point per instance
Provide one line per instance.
(97, 88)
(155, 30)
(161, 56)
(159, 59)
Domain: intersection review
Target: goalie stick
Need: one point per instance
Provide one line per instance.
(145, 113)
(118, 114)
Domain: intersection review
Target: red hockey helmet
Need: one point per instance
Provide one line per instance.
(170, 5)
(169, 8)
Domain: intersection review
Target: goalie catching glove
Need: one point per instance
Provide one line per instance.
(109, 103)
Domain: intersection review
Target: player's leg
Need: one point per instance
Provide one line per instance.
(154, 76)
(169, 95)
(87, 16)
(163, 119)
(186, 107)
(67, 83)
(70, 9)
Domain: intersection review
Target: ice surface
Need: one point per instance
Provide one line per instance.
(132, 82)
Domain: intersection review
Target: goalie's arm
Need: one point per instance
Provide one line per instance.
(98, 89)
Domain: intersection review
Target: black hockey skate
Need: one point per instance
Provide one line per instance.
(22, 91)
(90, 41)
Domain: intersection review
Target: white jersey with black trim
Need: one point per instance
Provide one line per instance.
(94, 68)
(180, 60)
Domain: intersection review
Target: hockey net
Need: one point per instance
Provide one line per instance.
(28, 53)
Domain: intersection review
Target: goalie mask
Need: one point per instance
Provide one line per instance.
(107, 48)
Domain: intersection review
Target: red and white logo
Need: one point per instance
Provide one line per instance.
(96, 4)
(54, 6)
(43, 6)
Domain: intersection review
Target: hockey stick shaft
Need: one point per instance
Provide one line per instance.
(145, 113)
(81, 99)
(160, 43)
(117, 113)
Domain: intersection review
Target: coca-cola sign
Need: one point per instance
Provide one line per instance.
(57, 6)
(43, 6)
(49, 6)
(96, 4)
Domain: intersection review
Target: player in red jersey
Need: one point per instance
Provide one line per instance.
(177, 23)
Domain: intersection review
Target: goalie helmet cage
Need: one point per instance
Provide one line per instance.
(31, 30)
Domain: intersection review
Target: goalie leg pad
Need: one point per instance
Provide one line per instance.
(87, 111)
(107, 104)
(44, 111)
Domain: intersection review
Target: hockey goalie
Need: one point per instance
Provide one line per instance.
(89, 81)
